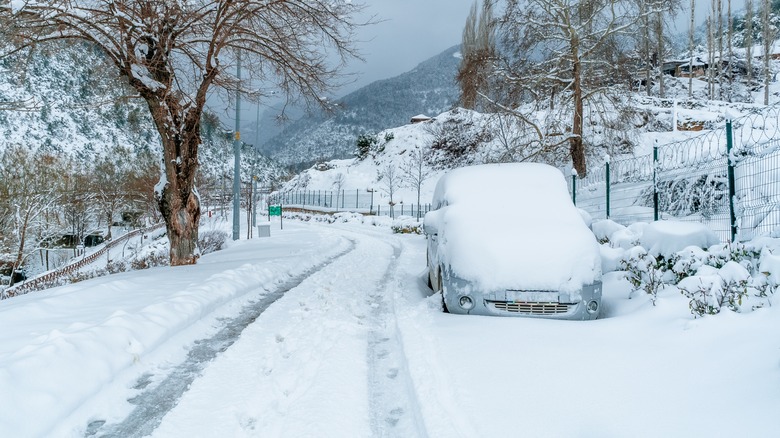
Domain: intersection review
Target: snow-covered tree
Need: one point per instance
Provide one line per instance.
(390, 181)
(478, 48)
(415, 173)
(28, 190)
(173, 53)
(563, 47)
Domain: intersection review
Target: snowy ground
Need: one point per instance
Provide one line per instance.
(339, 336)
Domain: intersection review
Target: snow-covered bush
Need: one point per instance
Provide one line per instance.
(645, 272)
(712, 277)
(406, 225)
(716, 288)
(151, 259)
(211, 240)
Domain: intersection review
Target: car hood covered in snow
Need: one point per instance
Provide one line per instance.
(513, 226)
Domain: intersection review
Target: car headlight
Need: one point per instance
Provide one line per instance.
(593, 306)
(466, 302)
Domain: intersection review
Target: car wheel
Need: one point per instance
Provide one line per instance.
(441, 289)
(428, 275)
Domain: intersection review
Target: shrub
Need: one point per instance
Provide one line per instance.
(407, 228)
(212, 240)
(159, 257)
(645, 272)
(725, 276)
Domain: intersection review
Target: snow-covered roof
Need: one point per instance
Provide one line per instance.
(420, 118)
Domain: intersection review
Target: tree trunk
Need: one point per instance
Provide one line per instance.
(749, 43)
(646, 44)
(576, 147)
(690, 48)
(720, 50)
(20, 253)
(768, 40)
(659, 33)
(176, 193)
(729, 37)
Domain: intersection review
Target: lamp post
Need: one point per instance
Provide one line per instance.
(371, 207)
(237, 155)
(254, 167)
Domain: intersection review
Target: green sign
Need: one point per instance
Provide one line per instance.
(275, 210)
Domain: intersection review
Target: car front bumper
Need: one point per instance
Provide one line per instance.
(582, 305)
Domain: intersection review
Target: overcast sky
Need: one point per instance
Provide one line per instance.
(415, 30)
(409, 32)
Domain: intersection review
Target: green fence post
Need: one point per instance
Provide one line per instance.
(655, 180)
(574, 186)
(732, 187)
(607, 184)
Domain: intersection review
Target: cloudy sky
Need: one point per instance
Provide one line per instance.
(408, 32)
(411, 31)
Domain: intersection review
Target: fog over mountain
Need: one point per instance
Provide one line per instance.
(429, 88)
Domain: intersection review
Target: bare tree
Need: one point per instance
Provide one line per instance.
(729, 38)
(172, 53)
(766, 35)
(691, 29)
(415, 173)
(749, 41)
(110, 178)
(28, 189)
(564, 44)
(338, 186)
(478, 51)
(390, 182)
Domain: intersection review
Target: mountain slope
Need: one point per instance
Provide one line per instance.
(429, 88)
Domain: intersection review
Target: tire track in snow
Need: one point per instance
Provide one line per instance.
(393, 403)
(153, 404)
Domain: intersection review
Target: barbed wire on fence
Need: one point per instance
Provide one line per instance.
(689, 180)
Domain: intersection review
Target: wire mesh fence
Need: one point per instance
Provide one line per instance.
(728, 179)
(330, 201)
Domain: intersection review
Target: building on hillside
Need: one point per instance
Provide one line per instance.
(420, 118)
(691, 68)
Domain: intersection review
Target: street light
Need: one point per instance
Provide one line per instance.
(371, 208)
(237, 155)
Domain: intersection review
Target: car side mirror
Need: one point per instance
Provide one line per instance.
(431, 223)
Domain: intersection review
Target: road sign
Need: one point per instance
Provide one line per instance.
(274, 210)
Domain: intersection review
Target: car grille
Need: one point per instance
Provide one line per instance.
(530, 308)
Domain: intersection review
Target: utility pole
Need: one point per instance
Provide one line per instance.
(237, 155)
(254, 168)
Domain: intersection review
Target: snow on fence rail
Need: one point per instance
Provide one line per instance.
(329, 201)
(44, 280)
(728, 178)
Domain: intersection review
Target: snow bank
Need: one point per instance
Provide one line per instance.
(668, 237)
(60, 347)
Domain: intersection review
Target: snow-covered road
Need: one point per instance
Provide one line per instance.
(325, 360)
(330, 330)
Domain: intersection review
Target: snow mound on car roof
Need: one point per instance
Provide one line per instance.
(513, 226)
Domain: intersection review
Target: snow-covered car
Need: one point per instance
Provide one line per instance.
(506, 239)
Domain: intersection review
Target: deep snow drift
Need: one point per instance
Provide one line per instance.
(71, 356)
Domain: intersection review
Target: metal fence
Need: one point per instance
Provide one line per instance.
(330, 201)
(728, 178)
(51, 278)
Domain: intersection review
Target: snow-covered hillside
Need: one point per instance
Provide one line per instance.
(429, 88)
(68, 101)
(461, 137)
